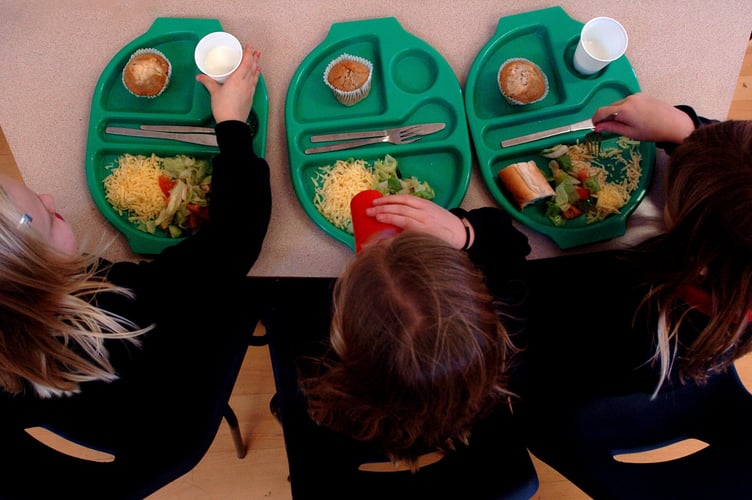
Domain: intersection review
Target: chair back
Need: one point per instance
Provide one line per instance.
(157, 421)
(583, 441)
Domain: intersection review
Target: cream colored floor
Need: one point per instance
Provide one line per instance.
(262, 474)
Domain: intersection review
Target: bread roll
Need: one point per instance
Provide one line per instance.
(525, 182)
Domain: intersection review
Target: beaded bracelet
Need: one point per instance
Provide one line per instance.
(467, 233)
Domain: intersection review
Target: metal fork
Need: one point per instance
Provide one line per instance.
(404, 135)
(592, 140)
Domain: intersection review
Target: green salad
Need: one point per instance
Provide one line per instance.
(335, 186)
(167, 193)
(388, 180)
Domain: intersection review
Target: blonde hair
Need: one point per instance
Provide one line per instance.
(421, 353)
(709, 246)
(51, 332)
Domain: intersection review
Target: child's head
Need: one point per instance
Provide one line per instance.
(420, 349)
(709, 192)
(709, 242)
(51, 333)
(38, 212)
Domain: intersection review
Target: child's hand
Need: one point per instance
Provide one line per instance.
(645, 118)
(233, 99)
(414, 213)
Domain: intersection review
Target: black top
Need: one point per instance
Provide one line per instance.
(189, 290)
(161, 415)
(588, 335)
(323, 464)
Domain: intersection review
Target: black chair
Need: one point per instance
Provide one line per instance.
(324, 464)
(157, 422)
(581, 441)
(588, 399)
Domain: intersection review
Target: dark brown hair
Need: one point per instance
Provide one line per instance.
(708, 245)
(421, 353)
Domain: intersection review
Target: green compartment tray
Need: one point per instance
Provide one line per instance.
(184, 102)
(547, 37)
(412, 83)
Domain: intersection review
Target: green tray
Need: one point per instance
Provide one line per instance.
(412, 83)
(184, 102)
(547, 37)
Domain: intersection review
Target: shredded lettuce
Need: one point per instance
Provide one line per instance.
(192, 179)
(388, 180)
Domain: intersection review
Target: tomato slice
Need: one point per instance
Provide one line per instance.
(571, 212)
(166, 184)
(198, 210)
(583, 192)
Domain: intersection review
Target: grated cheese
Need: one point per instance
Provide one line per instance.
(133, 186)
(612, 196)
(609, 200)
(336, 185)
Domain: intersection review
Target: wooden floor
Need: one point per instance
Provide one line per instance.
(741, 102)
(262, 474)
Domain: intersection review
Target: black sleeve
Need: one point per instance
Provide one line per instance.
(497, 242)
(699, 121)
(500, 252)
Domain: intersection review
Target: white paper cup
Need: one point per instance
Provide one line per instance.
(218, 54)
(602, 40)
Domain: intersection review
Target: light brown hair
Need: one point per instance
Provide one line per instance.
(420, 351)
(51, 331)
(708, 245)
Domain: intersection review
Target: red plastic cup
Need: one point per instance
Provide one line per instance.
(365, 227)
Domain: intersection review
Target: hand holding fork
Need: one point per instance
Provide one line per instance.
(592, 140)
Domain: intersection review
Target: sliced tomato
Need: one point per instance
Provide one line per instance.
(199, 211)
(571, 212)
(166, 184)
(193, 222)
(582, 174)
(583, 192)
(197, 215)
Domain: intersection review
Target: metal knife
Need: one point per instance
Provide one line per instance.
(204, 139)
(426, 128)
(583, 125)
(177, 128)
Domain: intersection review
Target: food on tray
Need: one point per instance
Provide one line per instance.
(525, 182)
(169, 193)
(522, 81)
(596, 186)
(147, 73)
(336, 185)
(349, 77)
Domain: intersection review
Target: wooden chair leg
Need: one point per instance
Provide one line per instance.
(237, 438)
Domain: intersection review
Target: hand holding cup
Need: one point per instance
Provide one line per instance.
(218, 54)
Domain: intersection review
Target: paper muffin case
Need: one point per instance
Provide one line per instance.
(512, 100)
(149, 51)
(348, 98)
